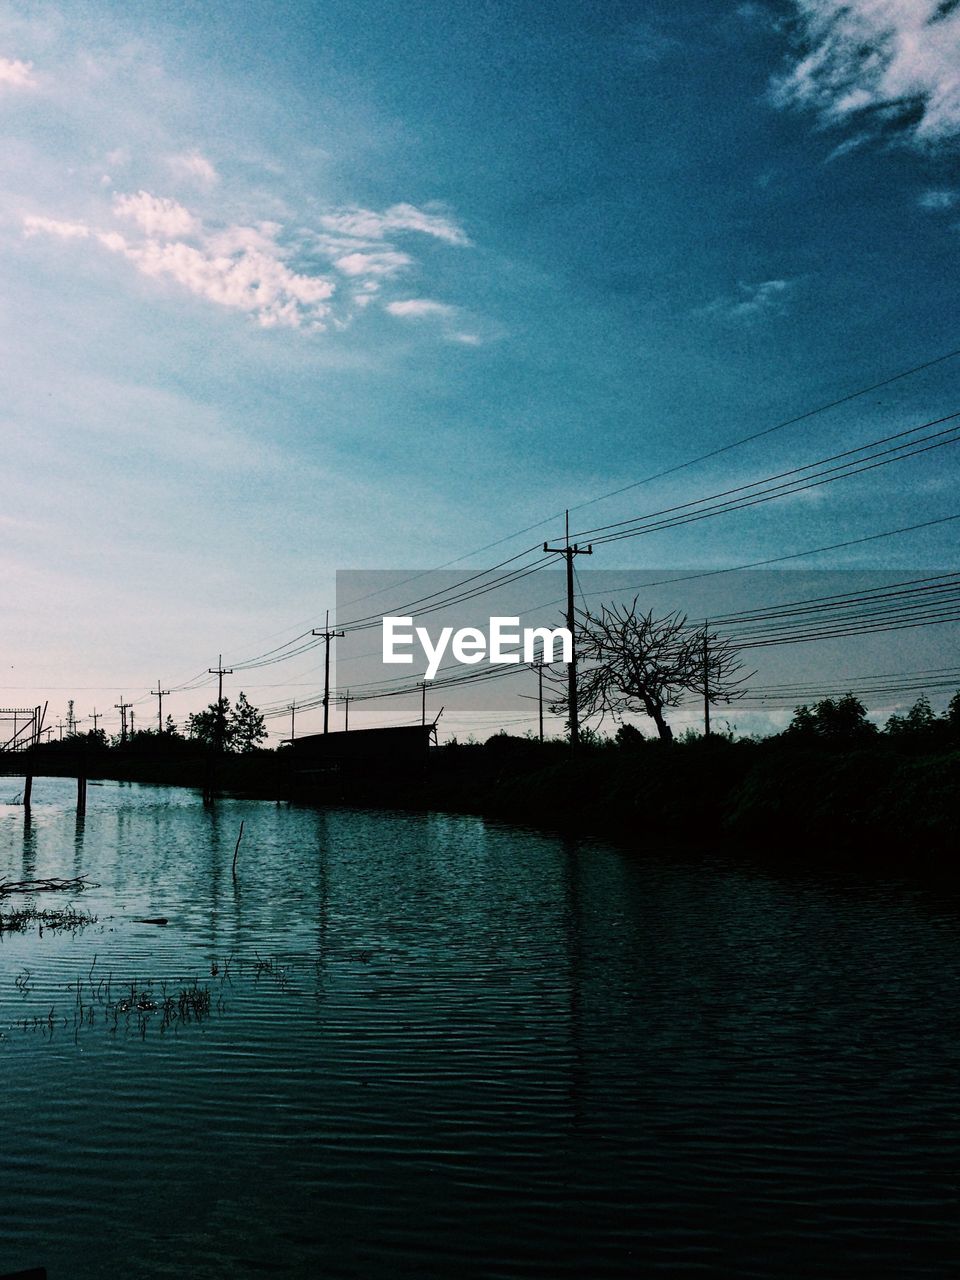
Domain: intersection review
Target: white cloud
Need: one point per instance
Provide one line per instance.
(254, 268)
(419, 309)
(238, 267)
(938, 199)
(849, 144)
(193, 167)
(34, 225)
(157, 215)
(240, 239)
(752, 301)
(387, 263)
(367, 224)
(897, 59)
(15, 74)
(250, 281)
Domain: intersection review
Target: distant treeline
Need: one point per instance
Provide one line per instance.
(831, 784)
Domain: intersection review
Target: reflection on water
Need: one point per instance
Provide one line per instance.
(431, 1046)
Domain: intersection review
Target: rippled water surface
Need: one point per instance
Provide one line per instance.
(423, 1045)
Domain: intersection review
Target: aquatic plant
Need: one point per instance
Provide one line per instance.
(67, 920)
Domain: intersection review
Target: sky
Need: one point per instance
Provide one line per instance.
(287, 289)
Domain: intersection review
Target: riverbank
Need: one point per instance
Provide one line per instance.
(884, 799)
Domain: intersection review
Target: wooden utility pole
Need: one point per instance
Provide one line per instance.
(220, 671)
(123, 707)
(293, 718)
(706, 684)
(327, 635)
(539, 666)
(568, 552)
(97, 715)
(346, 712)
(159, 694)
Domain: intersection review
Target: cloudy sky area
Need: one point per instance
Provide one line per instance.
(299, 287)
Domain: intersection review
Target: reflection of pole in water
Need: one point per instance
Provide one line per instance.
(323, 898)
(573, 936)
(213, 813)
(29, 858)
(78, 833)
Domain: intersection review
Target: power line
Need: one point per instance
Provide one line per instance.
(637, 525)
(690, 462)
(703, 457)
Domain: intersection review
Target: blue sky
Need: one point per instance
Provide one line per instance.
(292, 288)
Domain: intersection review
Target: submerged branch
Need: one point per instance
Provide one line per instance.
(51, 885)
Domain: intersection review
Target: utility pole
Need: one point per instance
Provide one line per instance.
(97, 715)
(423, 701)
(71, 721)
(706, 684)
(568, 552)
(122, 707)
(346, 712)
(220, 671)
(60, 728)
(327, 635)
(539, 669)
(293, 718)
(159, 694)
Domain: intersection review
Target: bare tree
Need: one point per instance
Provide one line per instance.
(633, 663)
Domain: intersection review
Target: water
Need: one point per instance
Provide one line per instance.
(439, 1047)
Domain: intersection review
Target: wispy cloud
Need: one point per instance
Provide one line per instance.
(157, 215)
(938, 199)
(419, 309)
(238, 267)
(389, 262)
(252, 281)
(250, 268)
(191, 166)
(896, 61)
(247, 238)
(752, 302)
(759, 15)
(35, 225)
(366, 224)
(648, 41)
(847, 145)
(15, 74)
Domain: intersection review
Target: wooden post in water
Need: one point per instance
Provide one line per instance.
(38, 719)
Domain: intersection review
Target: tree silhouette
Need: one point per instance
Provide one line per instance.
(841, 719)
(633, 663)
(204, 725)
(245, 727)
(918, 720)
(239, 728)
